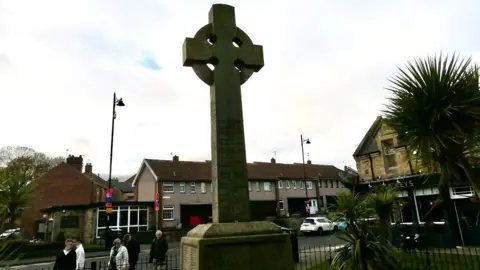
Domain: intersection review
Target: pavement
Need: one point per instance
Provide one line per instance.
(305, 243)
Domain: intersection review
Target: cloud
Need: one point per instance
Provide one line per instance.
(326, 67)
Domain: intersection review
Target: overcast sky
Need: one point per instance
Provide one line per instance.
(326, 67)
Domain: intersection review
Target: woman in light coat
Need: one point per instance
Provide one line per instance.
(118, 256)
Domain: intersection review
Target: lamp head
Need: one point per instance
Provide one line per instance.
(120, 103)
(307, 141)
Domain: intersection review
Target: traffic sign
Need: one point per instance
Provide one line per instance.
(108, 199)
(109, 210)
(157, 207)
(108, 205)
(157, 196)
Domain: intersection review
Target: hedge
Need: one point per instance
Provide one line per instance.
(23, 249)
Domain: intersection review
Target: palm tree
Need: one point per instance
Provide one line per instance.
(15, 192)
(435, 110)
(384, 201)
(362, 250)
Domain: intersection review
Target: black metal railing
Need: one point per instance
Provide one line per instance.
(320, 258)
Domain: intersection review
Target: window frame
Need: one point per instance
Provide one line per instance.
(287, 184)
(257, 186)
(309, 185)
(120, 210)
(180, 186)
(294, 184)
(281, 205)
(168, 207)
(172, 184)
(280, 184)
(267, 186)
(203, 187)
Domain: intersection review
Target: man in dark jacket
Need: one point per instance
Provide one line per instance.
(158, 250)
(133, 249)
(67, 259)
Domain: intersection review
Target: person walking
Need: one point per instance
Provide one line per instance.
(118, 256)
(133, 249)
(67, 259)
(158, 250)
(80, 252)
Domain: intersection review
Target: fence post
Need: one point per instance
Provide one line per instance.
(93, 266)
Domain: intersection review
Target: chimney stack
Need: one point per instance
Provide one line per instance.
(76, 162)
(88, 168)
(273, 160)
(309, 161)
(175, 158)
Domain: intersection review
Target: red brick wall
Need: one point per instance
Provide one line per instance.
(63, 185)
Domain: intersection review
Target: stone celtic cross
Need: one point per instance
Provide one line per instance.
(234, 57)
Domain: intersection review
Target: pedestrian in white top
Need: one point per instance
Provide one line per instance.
(77, 242)
(118, 256)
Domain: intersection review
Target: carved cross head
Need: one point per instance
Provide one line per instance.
(225, 46)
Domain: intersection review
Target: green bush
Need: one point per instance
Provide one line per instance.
(28, 250)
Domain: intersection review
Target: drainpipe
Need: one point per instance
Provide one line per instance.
(371, 166)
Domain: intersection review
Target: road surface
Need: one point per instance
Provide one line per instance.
(304, 243)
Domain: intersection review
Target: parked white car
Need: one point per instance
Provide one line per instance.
(317, 225)
(10, 233)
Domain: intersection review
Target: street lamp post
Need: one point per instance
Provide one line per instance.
(304, 141)
(119, 103)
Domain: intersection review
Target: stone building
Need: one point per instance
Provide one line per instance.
(382, 160)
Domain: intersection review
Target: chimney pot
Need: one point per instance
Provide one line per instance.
(88, 168)
(175, 158)
(76, 162)
(273, 160)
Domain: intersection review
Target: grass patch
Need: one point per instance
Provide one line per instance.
(412, 261)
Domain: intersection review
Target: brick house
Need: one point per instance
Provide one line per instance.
(64, 184)
(276, 189)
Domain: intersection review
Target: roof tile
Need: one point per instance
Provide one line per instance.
(168, 170)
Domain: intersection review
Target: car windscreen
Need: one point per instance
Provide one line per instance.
(309, 221)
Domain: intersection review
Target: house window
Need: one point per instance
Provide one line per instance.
(249, 186)
(168, 213)
(193, 186)
(302, 184)
(389, 158)
(267, 186)
(182, 187)
(168, 188)
(211, 187)
(287, 184)
(337, 184)
(203, 188)
(294, 184)
(331, 183)
(257, 186)
(319, 183)
(280, 184)
(281, 205)
(309, 185)
(128, 219)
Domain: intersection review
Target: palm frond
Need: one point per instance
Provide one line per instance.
(435, 110)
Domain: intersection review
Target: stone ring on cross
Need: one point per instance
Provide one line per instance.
(225, 46)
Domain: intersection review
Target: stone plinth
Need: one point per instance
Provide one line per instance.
(236, 246)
